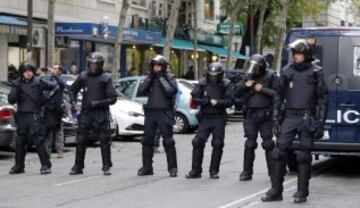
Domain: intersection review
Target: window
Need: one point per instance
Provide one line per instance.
(209, 9)
(356, 61)
(127, 87)
(139, 2)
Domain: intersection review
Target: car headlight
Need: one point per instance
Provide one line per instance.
(134, 114)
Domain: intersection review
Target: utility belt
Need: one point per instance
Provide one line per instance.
(156, 110)
(28, 113)
(201, 116)
(298, 112)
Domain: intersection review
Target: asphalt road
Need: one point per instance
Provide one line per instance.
(335, 182)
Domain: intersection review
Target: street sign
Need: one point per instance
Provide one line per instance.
(224, 28)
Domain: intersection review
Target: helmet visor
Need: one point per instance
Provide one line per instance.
(252, 67)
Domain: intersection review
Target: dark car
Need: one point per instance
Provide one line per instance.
(7, 118)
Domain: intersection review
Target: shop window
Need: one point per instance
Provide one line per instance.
(108, 52)
(175, 64)
(209, 9)
(149, 54)
(133, 61)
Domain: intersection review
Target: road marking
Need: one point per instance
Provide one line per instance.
(254, 195)
(77, 181)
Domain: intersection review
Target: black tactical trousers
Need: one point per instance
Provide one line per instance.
(94, 123)
(30, 130)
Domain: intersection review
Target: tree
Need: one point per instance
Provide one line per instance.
(281, 29)
(195, 30)
(172, 23)
(263, 7)
(51, 33)
(118, 39)
(234, 7)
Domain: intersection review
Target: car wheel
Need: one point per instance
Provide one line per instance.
(181, 124)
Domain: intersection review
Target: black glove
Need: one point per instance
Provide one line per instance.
(159, 74)
(205, 100)
(18, 88)
(319, 132)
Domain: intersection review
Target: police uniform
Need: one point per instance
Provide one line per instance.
(212, 119)
(260, 107)
(304, 93)
(29, 97)
(161, 89)
(98, 94)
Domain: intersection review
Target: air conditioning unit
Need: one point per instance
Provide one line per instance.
(38, 38)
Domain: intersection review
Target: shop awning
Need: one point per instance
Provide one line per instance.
(8, 20)
(180, 44)
(222, 52)
(11, 25)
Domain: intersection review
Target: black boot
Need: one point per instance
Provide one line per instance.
(171, 160)
(304, 174)
(45, 170)
(147, 155)
(19, 166)
(269, 162)
(76, 170)
(44, 159)
(277, 179)
(79, 160)
(106, 158)
(215, 162)
(197, 158)
(249, 157)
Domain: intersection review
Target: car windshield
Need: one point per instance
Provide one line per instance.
(187, 85)
(4, 91)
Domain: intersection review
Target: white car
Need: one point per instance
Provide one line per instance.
(128, 116)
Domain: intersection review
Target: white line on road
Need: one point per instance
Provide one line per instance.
(77, 181)
(253, 195)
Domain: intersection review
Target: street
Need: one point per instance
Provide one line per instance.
(334, 182)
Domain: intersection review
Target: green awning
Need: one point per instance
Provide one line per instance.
(222, 52)
(180, 44)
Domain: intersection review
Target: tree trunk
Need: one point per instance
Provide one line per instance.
(29, 30)
(171, 24)
(195, 28)
(264, 5)
(118, 40)
(51, 33)
(233, 17)
(281, 25)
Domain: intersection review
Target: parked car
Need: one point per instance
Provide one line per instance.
(185, 109)
(7, 118)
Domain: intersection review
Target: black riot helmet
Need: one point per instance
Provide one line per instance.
(159, 60)
(26, 66)
(215, 73)
(98, 59)
(301, 46)
(256, 65)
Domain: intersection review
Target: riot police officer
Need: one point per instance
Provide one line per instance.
(213, 95)
(304, 94)
(28, 94)
(261, 100)
(98, 94)
(161, 88)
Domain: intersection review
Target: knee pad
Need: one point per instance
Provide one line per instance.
(104, 139)
(146, 141)
(196, 142)
(217, 143)
(251, 144)
(20, 140)
(303, 157)
(39, 141)
(81, 139)
(268, 144)
(278, 154)
(169, 142)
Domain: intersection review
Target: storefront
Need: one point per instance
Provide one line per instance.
(75, 41)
